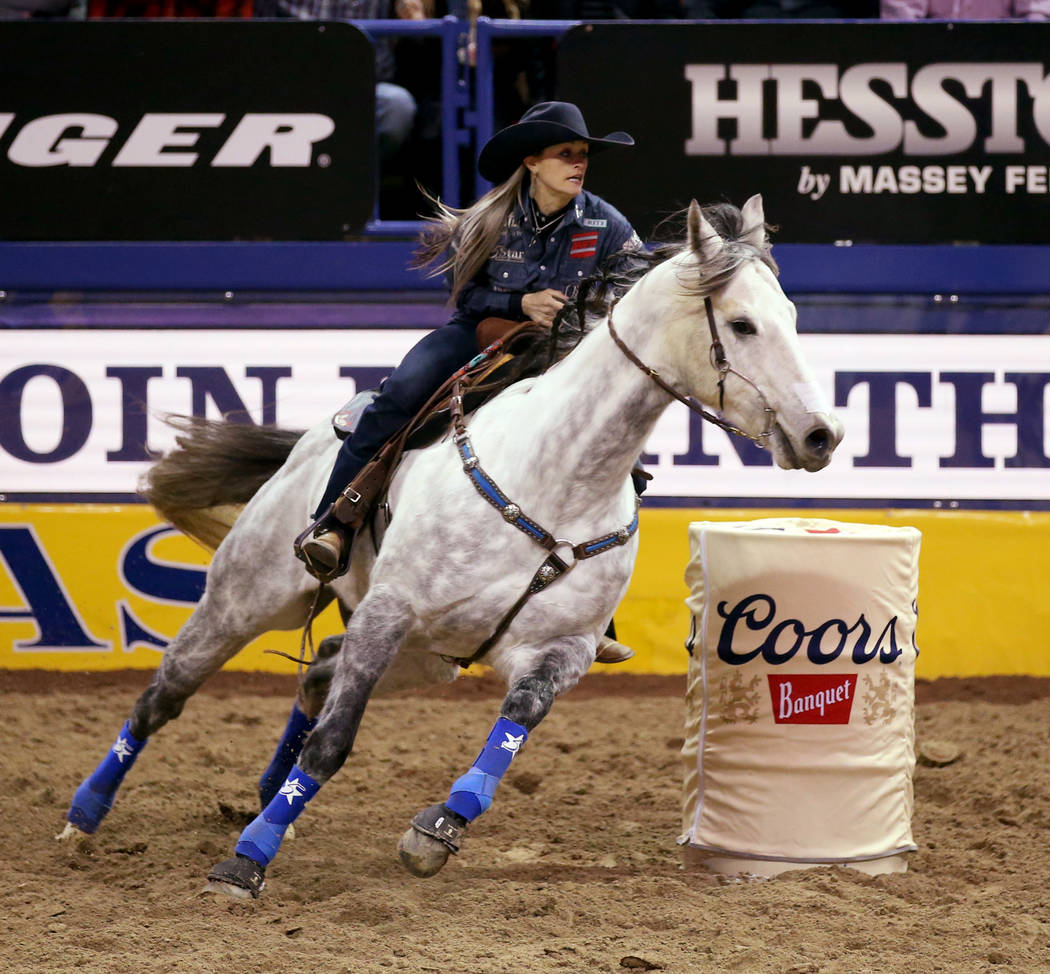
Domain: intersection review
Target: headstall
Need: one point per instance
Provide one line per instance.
(721, 363)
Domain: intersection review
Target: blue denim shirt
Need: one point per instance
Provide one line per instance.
(526, 261)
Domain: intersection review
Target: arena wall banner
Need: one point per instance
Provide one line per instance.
(104, 587)
(866, 132)
(95, 586)
(958, 420)
(945, 433)
(185, 130)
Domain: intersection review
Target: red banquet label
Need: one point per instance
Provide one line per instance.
(812, 698)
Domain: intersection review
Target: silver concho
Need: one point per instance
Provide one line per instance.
(511, 512)
(547, 573)
(470, 463)
(622, 535)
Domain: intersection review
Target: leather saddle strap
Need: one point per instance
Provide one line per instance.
(355, 503)
(490, 491)
(549, 572)
(553, 566)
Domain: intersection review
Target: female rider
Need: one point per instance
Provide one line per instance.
(517, 253)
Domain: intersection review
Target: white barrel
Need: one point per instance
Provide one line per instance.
(800, 740)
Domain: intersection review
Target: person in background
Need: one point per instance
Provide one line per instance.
(965, 9)
(419, 70)
(518, 253)
(41, 9)
(781, 9)
(605, 9)
(395, 106)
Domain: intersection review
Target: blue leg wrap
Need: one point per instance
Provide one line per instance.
(287, 753)
(262, 838)
(472, 794)
(95, 795)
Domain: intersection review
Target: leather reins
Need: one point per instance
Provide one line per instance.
(721, 363)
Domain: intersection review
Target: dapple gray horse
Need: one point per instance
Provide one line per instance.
(531, 504)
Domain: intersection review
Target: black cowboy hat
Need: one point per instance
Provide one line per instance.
(547, 123)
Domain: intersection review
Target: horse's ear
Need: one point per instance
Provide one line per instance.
(754, 222)
(703, 238)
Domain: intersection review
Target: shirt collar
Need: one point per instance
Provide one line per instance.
(574, 214)
(576, 210)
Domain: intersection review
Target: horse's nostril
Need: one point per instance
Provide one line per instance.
(818, 441)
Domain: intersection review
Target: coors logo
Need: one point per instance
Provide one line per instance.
(783, 638)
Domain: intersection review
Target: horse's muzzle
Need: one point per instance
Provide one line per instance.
(819, 444)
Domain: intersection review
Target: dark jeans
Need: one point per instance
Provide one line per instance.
(403, 393)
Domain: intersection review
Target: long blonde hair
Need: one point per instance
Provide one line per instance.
(463, 240)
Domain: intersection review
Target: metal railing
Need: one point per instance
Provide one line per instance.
(455, 99)
(467, 96)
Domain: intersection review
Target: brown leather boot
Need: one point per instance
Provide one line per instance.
(324, 548)
(610, 651)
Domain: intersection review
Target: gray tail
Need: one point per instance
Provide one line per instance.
(215, 469)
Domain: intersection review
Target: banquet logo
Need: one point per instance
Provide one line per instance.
(774, 111)
(164, 139)
(784, 638)
(812, 698)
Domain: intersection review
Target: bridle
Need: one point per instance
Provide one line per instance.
(721, 363)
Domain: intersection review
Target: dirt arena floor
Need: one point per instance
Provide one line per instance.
(574, 869)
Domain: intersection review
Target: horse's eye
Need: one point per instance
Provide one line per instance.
(743, 327)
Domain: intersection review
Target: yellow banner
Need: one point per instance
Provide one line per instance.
(96, 587)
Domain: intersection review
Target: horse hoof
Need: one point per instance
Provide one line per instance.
(240, 877)
(228, 889)
(436, 831)
(421, 855)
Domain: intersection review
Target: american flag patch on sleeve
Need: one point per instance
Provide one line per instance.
(584, 244)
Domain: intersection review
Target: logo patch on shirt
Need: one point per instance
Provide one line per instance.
(502, 253)
(584, 244)
(594, 223)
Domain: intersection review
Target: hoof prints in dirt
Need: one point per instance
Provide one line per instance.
(234, 816)
(602, 881)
